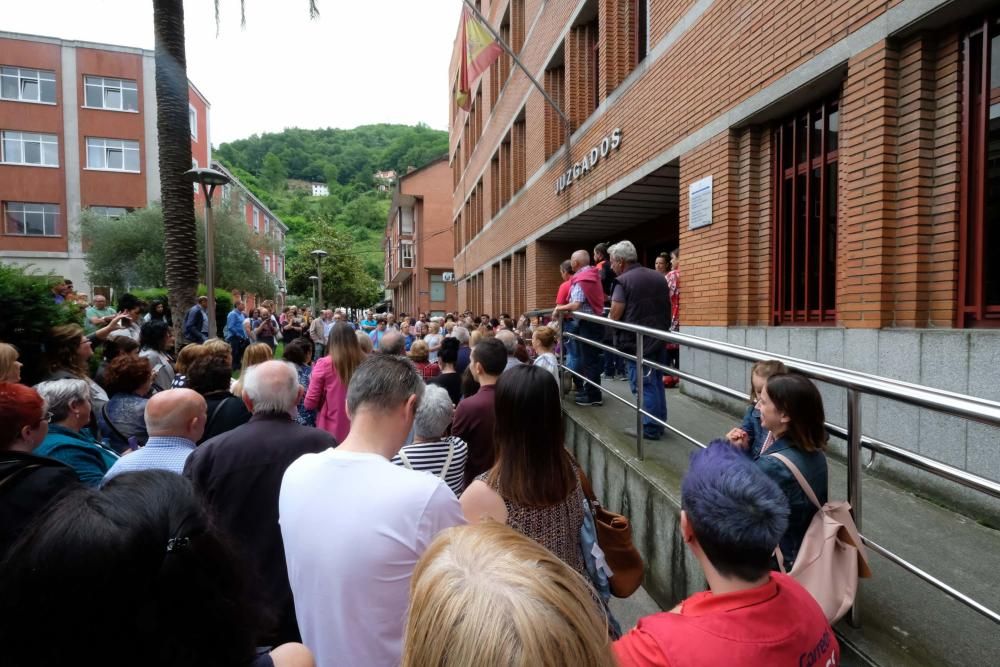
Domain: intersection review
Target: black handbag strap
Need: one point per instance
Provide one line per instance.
(215, 412)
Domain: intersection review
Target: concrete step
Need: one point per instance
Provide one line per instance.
(904, 620)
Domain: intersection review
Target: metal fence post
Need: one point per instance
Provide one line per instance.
(854, 475)
(640, 386)
(561, 321)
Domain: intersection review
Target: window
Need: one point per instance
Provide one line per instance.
(110, 212)
(25, 219)
(256, 221)
(804, 239)
(267, 263)
(110, 94)
(227, 192)
(405, 215)
(113, 154)
(30, 148)
(193, 121)
(640, 30)
(406, 254)
(437, 287)
(978, 278)
(267, 226)
(27, 85)
(194, 165)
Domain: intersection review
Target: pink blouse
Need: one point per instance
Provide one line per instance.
(327, 395)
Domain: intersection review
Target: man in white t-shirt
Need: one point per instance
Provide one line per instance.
(354, 524)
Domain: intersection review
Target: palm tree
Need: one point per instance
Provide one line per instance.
(173, 132)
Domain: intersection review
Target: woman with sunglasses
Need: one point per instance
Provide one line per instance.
(28, 483)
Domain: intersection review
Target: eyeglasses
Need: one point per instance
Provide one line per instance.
(47, 417)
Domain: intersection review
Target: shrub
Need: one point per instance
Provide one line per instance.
(29, 314)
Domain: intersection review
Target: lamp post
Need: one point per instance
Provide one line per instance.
(315, 303)
(209, 179)
(319, 255)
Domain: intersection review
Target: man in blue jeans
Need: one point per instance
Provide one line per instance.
(586, 296)
(641, 297)
(235, 334)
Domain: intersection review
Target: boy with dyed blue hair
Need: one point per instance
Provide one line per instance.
(732, 517)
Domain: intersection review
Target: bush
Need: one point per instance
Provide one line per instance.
(29, 314)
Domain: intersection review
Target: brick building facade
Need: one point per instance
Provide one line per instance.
(852, 149)
(78, 123)
(268, 229)
(418, 242)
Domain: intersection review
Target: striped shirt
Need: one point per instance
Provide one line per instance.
(431, 457)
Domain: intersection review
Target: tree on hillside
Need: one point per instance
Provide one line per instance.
(273, 173)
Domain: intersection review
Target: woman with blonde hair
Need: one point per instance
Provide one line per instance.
(68, 353)
(486, 595)
(10, 367)
(543, 340)
(364, 341)
(255, 354)
(327, 393)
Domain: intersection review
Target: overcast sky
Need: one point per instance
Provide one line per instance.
(375, 61)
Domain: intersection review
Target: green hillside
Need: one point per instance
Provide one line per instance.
(348, 223)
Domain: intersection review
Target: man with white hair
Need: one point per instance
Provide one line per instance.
(354, 525)
(586, 296)
(509, 340)
(642, 297)
(238, 475)
(175, 421)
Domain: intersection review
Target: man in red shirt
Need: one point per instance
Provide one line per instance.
(732, 517)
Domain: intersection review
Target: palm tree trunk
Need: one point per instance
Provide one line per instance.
(174, 135)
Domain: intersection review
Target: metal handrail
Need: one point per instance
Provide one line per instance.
(968, 407)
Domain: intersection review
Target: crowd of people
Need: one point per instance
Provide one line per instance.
(394, 489)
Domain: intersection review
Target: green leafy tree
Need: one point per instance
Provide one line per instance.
(139, 236)
(345, 280)
(273, 173)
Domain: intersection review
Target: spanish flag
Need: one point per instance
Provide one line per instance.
(479, 50)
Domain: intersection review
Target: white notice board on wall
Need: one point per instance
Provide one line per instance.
(700, 203)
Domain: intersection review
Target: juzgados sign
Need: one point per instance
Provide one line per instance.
(610, 143)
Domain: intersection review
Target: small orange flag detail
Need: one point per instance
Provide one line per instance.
(479, 51)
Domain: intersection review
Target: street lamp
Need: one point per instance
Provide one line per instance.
(319, 255)
(209, 179)
(314, 279)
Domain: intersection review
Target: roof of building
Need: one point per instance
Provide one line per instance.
(443, 158)
(257, 202)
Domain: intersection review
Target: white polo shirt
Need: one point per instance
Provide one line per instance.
(354, 526)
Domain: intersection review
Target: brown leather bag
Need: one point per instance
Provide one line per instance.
(614, 535)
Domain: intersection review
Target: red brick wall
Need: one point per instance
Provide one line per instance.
(898, 166)
(42, 185)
